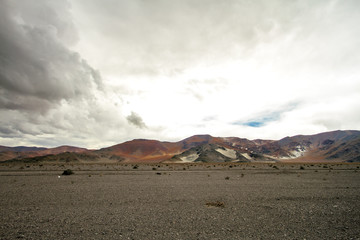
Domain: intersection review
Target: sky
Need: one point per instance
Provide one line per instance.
(93, 73)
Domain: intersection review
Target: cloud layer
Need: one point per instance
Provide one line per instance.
(49, 95)
(93, 73)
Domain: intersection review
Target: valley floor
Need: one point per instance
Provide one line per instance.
(180, 201)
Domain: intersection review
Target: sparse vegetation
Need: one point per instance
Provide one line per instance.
(215, 204)
(206, 198)
(68, 172)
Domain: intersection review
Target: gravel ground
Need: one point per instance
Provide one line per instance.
(196, 203)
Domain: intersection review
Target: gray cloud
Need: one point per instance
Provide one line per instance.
(136, 120)
(36, 68)
(48, 93)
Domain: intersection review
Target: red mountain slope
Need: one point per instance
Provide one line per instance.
(143, 150)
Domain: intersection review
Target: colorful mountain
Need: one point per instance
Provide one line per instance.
(335, 146)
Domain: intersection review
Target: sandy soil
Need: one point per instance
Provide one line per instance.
(173, 201)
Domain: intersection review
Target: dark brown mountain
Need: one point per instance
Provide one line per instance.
(328, 146)
(20, 149)
(336, 146)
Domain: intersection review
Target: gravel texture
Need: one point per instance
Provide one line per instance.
(167, 202)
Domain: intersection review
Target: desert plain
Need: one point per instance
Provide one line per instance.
(180, 201)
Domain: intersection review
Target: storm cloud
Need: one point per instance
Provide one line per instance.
(37, 70)
(46, 89)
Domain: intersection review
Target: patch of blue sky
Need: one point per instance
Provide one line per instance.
(254, 124)
(266, 118)
(259, 122)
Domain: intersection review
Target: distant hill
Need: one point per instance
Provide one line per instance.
(335, 146)
(21, 153)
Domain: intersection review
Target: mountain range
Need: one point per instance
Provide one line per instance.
(335, 146)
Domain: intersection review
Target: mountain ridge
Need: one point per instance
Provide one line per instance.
(339, 145)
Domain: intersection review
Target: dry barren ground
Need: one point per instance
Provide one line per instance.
(223, 201)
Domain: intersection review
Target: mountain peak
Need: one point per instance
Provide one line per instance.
(199, 137)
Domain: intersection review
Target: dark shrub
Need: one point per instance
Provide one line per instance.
(215, 204)
(68, 172)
